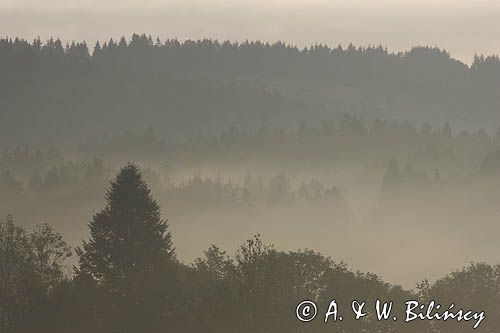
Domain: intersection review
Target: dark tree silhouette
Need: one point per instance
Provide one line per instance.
(129, 256)
(31, 274)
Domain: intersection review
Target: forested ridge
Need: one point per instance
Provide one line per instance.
(252, 58)
(57, 91)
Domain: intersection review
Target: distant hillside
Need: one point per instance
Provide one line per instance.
(56, 92)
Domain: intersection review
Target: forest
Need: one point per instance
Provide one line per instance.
(204, 185)
(54, 91)
(128, 279)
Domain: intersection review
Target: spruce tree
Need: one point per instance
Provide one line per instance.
(129, 256)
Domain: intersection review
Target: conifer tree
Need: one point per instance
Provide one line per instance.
(129, 255)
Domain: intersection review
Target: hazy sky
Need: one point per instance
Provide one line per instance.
(462, 27)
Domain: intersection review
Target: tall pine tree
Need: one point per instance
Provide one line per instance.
(129, 256)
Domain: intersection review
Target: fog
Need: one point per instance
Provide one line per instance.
(205, 165)
(380, 202)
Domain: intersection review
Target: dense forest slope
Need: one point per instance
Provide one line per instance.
(56, 92)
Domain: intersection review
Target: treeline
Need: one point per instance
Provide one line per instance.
(76, 181)
(266, 167)
(43, 186)
(210, 57)
(128, 279)
(341, 143)
(336, 144)
(56, 92)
